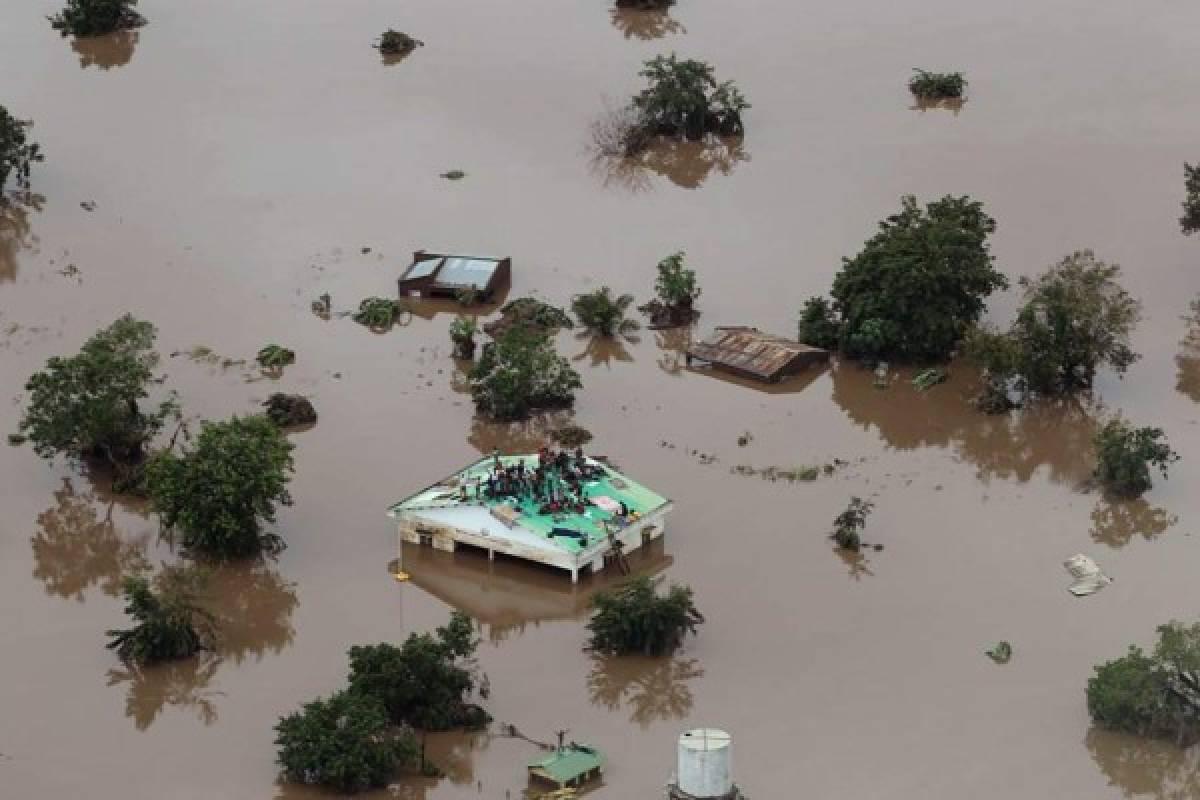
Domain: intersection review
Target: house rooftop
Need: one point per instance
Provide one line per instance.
(448, 271)
(568, 765)
(750, 351)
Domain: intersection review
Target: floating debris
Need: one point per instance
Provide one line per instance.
(1089, 578)
(929, 378)
(745, 439)
(881, 375)
(1001, 652)
(16, 439)
(88, 205)
(323, 306)
(454, 175)
(789, 474)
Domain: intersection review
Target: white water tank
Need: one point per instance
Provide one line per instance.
(706, 763)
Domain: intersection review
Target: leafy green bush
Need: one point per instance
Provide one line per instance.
(603, 314)
(520, 372)
(86, 406)
(426, 681)
(531, 314)
(395, 43)
(169, 623)
(344, 743)
(635, 618)
(17, 153)
(377, 313)
(220, 492)
(290, 410)
(677, 292)
(1124, 456)
(1190, 221)
(818, 324)
(937, 85)
(684, 99)
(92, 17)
(275, 357)
(462, 334)
(918, 284)
(848, 525)
(1156, 695)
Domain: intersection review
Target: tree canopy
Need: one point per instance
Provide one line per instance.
(17, 153)
(344, 743)
(683, 98)
(169, 624)
(1156, 695)
(86, 405)
(635, 618)
(602, 313)
(219, 493)
(1190, 221)
(1124, 456)
(93, 17)
(916, 286)
(521, 372)
(426, 681)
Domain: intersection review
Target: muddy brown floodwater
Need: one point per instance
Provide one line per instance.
(240, 157)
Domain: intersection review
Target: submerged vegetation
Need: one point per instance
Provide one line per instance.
(397, 43)
(677, 291)
(848, 525)
(635, 618)
(290, 410)
(927, 85)
(530, 314)
(169, 624)
(915, 288)
(1155, 695)
(93, 17)
(521, 372)
(377, 313)
(571, 436)
(87, 405)
(219, 493)
(1124, 456)
(602, 314)
(1190, 221)
(17, 153)
(646, 5)
(275, 357)
(462, 334)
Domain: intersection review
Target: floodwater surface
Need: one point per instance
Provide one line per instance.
(220, 168)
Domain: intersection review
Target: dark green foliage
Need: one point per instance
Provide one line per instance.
(677, 292)
(635, 618)
(289, 410)
(92, 17)
(937, 85)
(462, 334)
(1075, 319)
(169, 623)
(344, 743)
(377, 313)
(86, 406)
(818, 324)
(646, 5)
(529, 313)
(275, 357)
(1190, 221)
(1124, 456)
(1156, 695)
(918, 284)
(684, 99)
(395, 43)
(571, 436)
(848, 525)
(998, 356)
(17, 153)
(426, 681)
(603, 314)
(519, 373)
(219, 494)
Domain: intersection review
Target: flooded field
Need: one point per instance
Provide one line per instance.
(244, 158)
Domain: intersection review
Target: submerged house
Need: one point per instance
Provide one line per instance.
(569, 765)
(753, 354)
(438, 275)
(576, 519)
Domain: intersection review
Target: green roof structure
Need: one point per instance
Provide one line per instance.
(568, 766)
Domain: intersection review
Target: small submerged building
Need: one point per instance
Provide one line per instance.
(568, 765)
(750, 353)
(575, 518)
(439, 275)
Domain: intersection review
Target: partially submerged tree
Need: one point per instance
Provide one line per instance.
(17, 153)
(219, 494)
(427, 681)
(87, 405)
(677, 292)
(1156, 695)
(397, 43)
(635, 618)
(290, 410)
(927, 85)
(1124, 456)
(169, 623)
(462, 334)
(917, 285)
(275, 357)
(603, 314)
(377, 313)
(848, 525)
(93, 17)
(521, 372)
(345, 743)
(684, 99)
(1190, 221)
(531, 314)
(818, 325)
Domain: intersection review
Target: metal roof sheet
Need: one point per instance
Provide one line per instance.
(568, 763)
(422, 269)
(750, 350)
(473, 272)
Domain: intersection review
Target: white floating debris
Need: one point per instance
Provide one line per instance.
(1089, 578)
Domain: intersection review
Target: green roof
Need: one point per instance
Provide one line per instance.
(568, 764)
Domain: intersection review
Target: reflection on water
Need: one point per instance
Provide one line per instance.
(645, 25)
(75, 548)
(183, 684)
(1146, 768)
(523, 436)
(15, 233)
(1187, 380)
(673, 342)
(1115, 522)
(686, 164)
(951, 104)
(1053, 434)
(106, 51)
(601, 351)
(858, 566)
(506, 594)
(652, 688)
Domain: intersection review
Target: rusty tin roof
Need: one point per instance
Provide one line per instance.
(752, 351)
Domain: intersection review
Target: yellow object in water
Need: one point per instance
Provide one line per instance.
(400, 576)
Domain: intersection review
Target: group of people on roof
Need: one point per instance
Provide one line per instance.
(556, 484)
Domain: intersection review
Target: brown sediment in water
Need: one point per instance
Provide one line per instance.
(237, 173)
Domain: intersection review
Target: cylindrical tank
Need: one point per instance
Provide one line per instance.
(706, 763)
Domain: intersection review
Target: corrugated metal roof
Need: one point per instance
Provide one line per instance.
(750, 350)
(422, 269)
(473, 272)
(567, 764)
